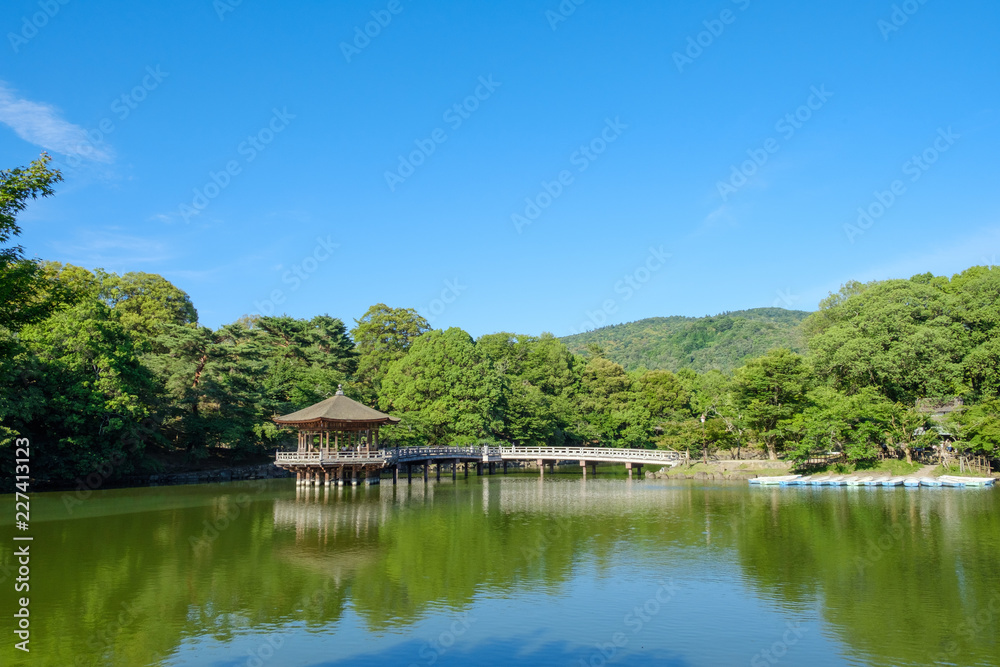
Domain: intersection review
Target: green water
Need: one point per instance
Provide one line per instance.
(510, 570)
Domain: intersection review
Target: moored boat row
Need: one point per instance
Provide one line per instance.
(870, 480)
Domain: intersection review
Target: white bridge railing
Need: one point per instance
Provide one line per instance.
(405, 454)
(611, 454)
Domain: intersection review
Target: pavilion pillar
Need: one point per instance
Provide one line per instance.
(327, 473)
(354, 476)
(298, 478)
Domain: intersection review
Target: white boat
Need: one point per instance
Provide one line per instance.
(799, 480)
(863, 481)
(853, 480)
(911, 482)
(930, 481)
(893, 481)
(968, 481)
(875, 481)
(820, 481)
(836, 480)
(773, 481)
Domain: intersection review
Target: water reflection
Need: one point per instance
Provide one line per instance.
(194, 575)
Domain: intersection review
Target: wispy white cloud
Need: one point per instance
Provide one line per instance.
(108, 248)
(41, 124)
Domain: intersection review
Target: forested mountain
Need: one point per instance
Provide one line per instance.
(722, 342)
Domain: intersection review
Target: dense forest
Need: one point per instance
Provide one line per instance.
(101, 371)
(720, 343)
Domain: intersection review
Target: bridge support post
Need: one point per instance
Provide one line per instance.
(437, 472)
(395, 474)
(492, 467)
(552, 467)
(541, 468)
(505, 466)
(593, 468)
(454, 470)
(583, 467)
(341, 476)
(298, 478)
(326, 473)
(466, 469)
(638, 467)
(628, 466)
(409, 473)
(427, 464)
(479, 468)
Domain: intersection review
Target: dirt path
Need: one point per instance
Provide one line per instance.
(926, 471)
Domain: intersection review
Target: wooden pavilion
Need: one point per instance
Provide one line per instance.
(336, 431)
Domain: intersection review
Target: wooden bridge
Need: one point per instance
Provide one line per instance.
(353, 467)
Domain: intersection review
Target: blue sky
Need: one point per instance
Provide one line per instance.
(606, 161)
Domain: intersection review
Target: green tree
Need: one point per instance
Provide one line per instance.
(898, 336)
(25, 294)
(384, 335)
(770, 390)
(443, 388)
(75, 387)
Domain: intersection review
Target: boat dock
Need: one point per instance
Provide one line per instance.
(872, 480)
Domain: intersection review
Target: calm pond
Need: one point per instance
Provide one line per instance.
(508, 570)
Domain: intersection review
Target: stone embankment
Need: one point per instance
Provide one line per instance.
(261, 471)
(722, 470)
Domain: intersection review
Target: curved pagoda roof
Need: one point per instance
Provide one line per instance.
(337, 412)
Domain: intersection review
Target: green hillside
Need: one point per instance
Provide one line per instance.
(721, 342)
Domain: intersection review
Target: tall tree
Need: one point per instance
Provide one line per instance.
(25, 296)
(771, 389)
(384, 335)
